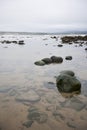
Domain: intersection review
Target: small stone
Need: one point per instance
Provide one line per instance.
(60, 45)
(21, 42)
(68, 57)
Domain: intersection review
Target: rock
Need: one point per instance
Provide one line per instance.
(47, 60)
(8, 42)
(50, 85)
(30, 96)
(39, 63)
(71, 124)
(86, 49)
(74, 103)
(70, 43)
(60, 45)
(80, 44)
(68, 57)
(67, 39)
(56, 59)
(14, 42)
(53, 37)
(68, 72)
(28, 124)
(36, 115)
(58, 116)
(67, 83)
(21, 42)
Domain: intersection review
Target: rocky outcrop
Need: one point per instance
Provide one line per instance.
(68, 39)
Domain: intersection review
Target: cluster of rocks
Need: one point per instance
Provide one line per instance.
(67, 39)
(67, 82)
(53, 59)
(21, 42)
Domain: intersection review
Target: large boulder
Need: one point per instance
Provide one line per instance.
(66, 82)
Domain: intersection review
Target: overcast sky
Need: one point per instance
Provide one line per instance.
(43, 15)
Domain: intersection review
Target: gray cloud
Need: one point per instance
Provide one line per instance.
(43, 15)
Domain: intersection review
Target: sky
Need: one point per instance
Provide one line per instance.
(43, 15)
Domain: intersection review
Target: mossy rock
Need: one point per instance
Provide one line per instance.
(40, 63)
(68, 72)
(67, 83)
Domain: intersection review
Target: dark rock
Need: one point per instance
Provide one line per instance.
(8, 42)
(67, 39)
(21, 42)
(60, 45)
(56, 59)
(67, 83)
(86, 49)
(47, 60)
(70, 43)
(68, 72)
(53, 37)
(81, 44)
(39, 63)
(14, 42)
(68, 57)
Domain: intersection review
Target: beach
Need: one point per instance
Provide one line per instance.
(29, 97)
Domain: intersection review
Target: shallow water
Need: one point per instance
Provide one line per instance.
(29, 98)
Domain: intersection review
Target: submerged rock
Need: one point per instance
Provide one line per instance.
(28, 124)
(39, 63)
(36, 115)
(56, 59)
(30, 96)
(68, 83)
(74, 103)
